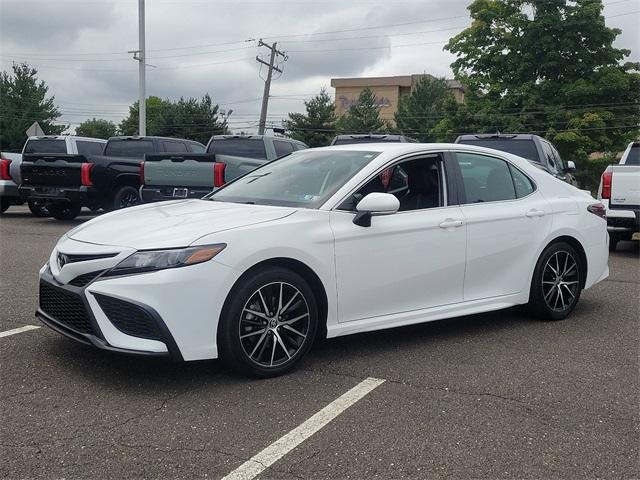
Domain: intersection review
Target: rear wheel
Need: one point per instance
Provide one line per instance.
(64, 211)
(5, 202)
(268, 323)
(125, 196)
(38, 208)
(557, 282)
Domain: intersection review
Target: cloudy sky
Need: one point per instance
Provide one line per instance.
(198, 46)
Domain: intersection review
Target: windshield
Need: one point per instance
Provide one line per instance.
(239, 147)
(523, 148)
(128, 148)
(45, 145)
(634, 156)
(301, 179)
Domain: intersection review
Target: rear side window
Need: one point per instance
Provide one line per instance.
(174, 147)
(523, 148)
(485, 179)
(45, 145)
(89, 148)
(634, 156)
(282, 148)
(128, 148)
(521, 182)
(239, 147)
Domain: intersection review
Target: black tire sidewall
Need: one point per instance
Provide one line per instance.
(64, 211)
(115, 204)
(537, 302)
(229, 346)
(5, 203)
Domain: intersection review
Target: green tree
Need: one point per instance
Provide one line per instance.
(419, 114)
(363, 116)
(547, 67)
(315, 128)
(97, 128)
(23, 100)
(190, 118)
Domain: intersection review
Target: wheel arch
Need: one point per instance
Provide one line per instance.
(306, 273)
(575, 243)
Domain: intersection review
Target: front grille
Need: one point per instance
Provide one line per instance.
(129, 318)
(73, 258)
(65, 307)
(84, 279)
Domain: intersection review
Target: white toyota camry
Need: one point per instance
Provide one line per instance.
(326, 242)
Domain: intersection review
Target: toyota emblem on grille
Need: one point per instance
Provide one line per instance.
(62, 259)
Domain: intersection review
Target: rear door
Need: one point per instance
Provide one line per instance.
(507, 219)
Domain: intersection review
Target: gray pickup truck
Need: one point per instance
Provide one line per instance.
(189, 175)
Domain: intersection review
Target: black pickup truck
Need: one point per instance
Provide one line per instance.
(66, 183)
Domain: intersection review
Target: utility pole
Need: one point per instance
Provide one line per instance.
(140, 56)
(267, 83)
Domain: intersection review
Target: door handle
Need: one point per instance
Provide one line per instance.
(535, 213)
(451, 223)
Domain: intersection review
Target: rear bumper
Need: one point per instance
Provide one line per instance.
(8, 188)
(622, 220)
(159, 194)
(79, 195)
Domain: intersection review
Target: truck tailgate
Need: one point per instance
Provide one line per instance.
(625, 187)
(51, 170)
(178, 170)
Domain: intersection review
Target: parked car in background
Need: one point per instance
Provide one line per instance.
(68, 182)
(370, 138)
(171, 176)
(317, 244)
(9, 180)
(619, 191)
(531, 147)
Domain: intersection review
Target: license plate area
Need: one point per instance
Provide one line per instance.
(180, 192)
(48, 191)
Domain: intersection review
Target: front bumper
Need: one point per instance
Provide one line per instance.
(78, 195)
(159, 194)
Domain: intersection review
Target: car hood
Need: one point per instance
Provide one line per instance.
(172, 224)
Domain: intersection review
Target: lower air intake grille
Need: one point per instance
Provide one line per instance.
(84, 279)
(67, 308)
(129, 318)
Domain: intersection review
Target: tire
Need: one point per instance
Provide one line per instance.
(125, 196)
(613, 242)
(257, 344)
(554, 296)
(5, 203)
(64, 211)
(38, 209)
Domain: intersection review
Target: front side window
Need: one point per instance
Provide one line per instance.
(485, 179)
(175, 147)
(45, 145)
(197, 148)
(416, 183)
(302, 179)
(282, 148)
(128, 148)
(548, 154)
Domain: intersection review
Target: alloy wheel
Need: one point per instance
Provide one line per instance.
(274, 324)
(129, 199)
(560, 281)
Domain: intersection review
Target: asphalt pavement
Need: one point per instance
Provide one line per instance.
(499, 395)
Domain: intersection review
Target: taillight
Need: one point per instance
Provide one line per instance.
(598, 209)
(85, 174)
(141, 173)
(5, 174)
(218, 174)
(607, 179)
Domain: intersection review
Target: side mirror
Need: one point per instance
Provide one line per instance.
(375, 203)
(571, 166)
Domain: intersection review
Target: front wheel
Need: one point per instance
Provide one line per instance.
(557, 282)
(268, 323)
(125, 196)
(64, 211)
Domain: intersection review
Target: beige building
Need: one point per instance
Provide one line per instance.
(388, 91)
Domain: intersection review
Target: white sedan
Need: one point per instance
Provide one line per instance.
(326, 242)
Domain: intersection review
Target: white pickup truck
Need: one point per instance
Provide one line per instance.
(619, 191)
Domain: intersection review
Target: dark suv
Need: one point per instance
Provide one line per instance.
(531, 147)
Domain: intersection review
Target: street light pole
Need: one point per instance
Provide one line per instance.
(142, 57)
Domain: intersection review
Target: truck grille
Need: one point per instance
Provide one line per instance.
(129, 318)
(65, 307)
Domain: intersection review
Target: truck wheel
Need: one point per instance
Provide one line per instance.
(65, 211)
(126, 196)
(38, 209)
(5, 202)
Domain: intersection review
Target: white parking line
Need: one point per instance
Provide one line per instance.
(274, 452)
(18, 330)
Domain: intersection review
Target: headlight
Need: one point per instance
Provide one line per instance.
(150, 260)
